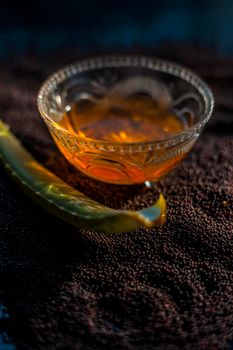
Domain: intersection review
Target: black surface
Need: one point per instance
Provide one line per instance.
(168, 288)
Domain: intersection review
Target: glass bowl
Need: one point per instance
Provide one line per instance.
(116, 161)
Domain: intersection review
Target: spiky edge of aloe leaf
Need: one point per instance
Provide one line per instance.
(64, 201)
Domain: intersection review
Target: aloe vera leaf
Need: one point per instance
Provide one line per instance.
(66, 202)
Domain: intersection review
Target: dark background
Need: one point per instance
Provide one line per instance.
(39, 272)
(47, 24)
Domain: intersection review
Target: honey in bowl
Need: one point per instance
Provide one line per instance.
(122, 120)
(125, 119)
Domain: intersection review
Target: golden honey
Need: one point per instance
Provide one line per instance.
(122, 121)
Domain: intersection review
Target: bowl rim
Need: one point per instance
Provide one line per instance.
(129, 60)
